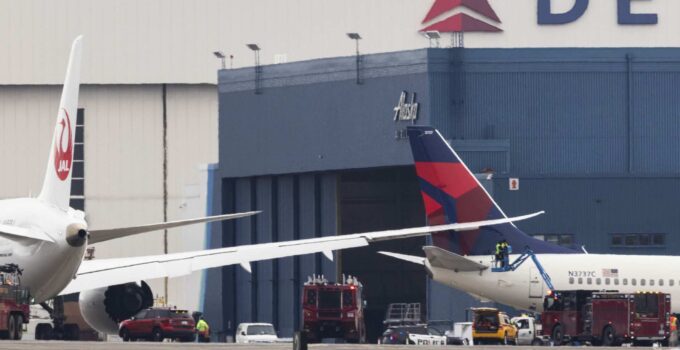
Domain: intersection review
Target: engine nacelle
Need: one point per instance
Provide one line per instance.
(105, 308)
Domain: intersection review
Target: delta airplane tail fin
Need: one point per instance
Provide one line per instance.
(57, 184)
(451, 193)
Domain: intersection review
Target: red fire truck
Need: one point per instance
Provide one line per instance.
(14, 303)
(333, 310)
(606, 318)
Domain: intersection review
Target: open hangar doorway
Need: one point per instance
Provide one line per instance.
(382, 199)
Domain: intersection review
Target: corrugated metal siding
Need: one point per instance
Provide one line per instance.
(297, 207)
(171, 41)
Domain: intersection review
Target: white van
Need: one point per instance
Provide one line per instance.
(248, 333)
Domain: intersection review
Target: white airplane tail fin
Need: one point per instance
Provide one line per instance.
(57, 184)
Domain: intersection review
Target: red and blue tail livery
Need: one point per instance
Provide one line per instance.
(451, 193)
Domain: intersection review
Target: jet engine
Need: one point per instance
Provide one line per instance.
(104, 308)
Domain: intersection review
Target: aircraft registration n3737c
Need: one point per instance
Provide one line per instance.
(463, 260)
(47, 239)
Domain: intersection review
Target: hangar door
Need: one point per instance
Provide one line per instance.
(382, 199)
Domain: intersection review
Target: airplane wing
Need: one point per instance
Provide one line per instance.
(100, 273)
(14, 232)
(97, 236)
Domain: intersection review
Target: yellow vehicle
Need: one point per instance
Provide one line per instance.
(490, 325)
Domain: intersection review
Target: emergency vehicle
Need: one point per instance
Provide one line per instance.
(333, 310)
(14, 303)
(606, 318)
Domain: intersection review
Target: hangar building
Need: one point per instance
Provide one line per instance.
(590, 136)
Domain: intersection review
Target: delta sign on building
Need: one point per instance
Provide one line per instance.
(556, 23)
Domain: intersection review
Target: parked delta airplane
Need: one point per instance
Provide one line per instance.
(463, 260)
(47, 239)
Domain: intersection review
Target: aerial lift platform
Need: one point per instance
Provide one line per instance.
(528, 253)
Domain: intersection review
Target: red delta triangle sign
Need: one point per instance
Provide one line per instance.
(461, 22)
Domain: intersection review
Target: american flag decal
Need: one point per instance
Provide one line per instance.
(610, 272)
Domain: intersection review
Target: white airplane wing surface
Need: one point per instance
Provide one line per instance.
(101, 235)
(100, 273)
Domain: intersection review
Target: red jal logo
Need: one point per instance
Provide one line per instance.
(461, 22)
(63, 147)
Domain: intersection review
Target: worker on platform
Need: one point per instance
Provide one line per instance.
(203, 331)
(506, 249)
(499, 254)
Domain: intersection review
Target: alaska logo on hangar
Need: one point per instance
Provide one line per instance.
(461, 22)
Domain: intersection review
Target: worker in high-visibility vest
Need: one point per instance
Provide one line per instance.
(203, 331)
(673, 338)
(499, 254)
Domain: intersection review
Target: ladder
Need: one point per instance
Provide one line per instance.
(528, 253)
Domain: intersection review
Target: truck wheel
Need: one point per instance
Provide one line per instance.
(536, 342)
(19, 329)
(300, 341)
(11, 327)
(557, 335)
(71, 331)
(608, 336)
(43, 331)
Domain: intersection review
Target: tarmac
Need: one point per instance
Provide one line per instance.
(51, 345)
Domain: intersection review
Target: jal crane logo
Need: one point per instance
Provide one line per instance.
(461, 22)
(63, 146)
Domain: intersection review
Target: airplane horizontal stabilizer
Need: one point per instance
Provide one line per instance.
(418, 260)
(97, 236)
(441, 258)
(14, 231)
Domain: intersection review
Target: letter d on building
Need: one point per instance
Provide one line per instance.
(545, 15)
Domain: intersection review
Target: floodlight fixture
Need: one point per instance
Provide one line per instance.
(253, 47)
(221, 56)
(354, 36)
(433, 36)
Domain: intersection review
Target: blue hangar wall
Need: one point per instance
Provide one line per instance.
(592, 134)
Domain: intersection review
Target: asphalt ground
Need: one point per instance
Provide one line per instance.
(51, 345)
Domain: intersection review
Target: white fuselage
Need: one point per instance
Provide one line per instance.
(524, 288)
(47, 267)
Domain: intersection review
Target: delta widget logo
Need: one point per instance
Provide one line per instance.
(63, 146)
(461, 22)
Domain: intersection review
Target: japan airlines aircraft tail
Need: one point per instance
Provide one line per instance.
(47, 238)
(462, 260)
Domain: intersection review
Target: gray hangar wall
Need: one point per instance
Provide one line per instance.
(592, 134)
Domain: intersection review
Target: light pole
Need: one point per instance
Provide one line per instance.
(356, 37)
(221, 56)
(258, 70)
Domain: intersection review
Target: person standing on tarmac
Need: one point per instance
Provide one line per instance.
(203, 331)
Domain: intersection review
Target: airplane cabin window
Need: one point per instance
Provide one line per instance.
(616, 281)
(643, 282)
(651, 282)
(589, 280)
(580, 280)
(571, 280)
(598, 281)
(671, 282)
(625, 281)
(607, 281)
(660, 282)
(633, 282)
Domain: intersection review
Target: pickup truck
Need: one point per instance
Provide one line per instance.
(528, 331)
